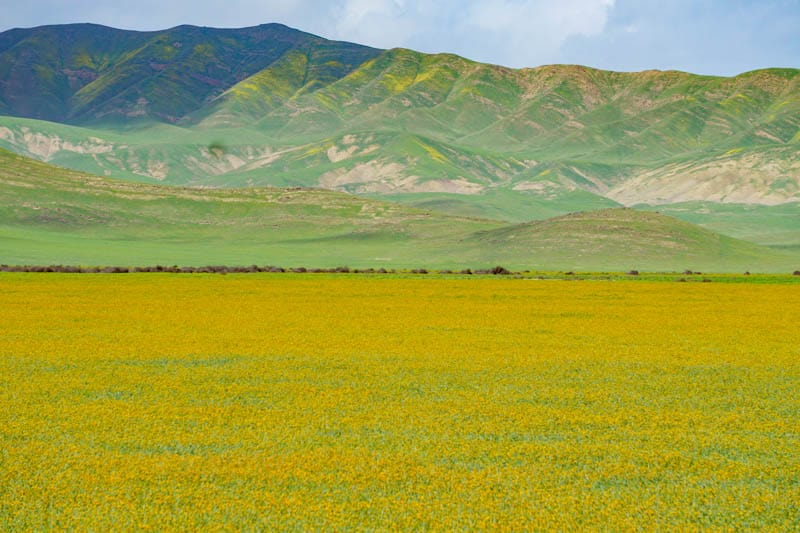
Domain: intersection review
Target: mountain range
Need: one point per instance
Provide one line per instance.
(273, 106)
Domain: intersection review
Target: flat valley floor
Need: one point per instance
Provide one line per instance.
(263, 402)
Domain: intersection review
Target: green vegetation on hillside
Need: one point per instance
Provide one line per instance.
(88, 73)
(619, 239)
(51, 215)
(777, 225)
(56, 216)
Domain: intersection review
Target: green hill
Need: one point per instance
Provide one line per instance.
(50, 215)
(622, 239)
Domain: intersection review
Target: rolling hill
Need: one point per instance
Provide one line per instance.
(615, 239)
(50, 215)
(54, 215)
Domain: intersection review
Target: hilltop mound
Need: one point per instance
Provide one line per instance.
(622, 239)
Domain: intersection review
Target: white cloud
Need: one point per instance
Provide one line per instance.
(513, 32)
(723, 37)
(382, 23)
(527, 33)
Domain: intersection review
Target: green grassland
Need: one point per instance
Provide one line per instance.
(50, 215)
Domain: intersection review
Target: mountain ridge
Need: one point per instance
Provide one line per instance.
(315, 113)
(82, 66)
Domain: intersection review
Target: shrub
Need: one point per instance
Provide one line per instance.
(633, 273)
(500, 271)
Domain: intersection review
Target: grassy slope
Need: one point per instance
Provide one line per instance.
(502, 204)
(620, 239)
(51, 215)
(99, 152)
(777, 226)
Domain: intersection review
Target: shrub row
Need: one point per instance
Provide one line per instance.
(221, 269)
(211, 269)
(497, 271)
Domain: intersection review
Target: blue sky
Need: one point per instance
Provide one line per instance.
(722, 37)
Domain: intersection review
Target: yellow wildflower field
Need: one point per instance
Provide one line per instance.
(274, 402)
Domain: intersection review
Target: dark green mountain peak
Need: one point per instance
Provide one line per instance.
(83, 73)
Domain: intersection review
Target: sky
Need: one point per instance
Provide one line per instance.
(719, 37)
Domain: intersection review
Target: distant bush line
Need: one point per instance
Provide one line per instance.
(68, 269)
(252, 269)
